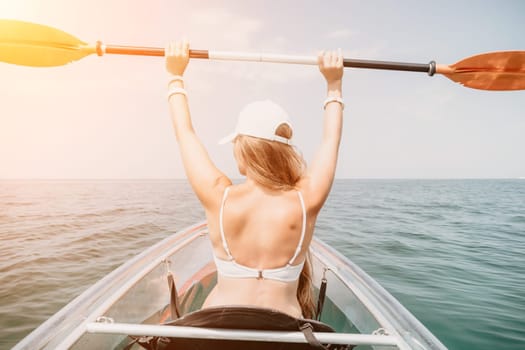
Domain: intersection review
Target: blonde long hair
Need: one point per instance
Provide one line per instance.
(272, 164)
(278, 166)
(305, 293)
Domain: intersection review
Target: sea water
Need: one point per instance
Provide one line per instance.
(451, 251)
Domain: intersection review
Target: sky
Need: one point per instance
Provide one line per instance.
(107, 117)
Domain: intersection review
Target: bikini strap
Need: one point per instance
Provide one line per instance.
(303, 230)
(221, 228)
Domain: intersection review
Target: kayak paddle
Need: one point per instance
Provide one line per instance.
(36, 45)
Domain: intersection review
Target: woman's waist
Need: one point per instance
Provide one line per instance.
(256, 289)
(282, 299)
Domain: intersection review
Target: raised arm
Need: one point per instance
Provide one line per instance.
(205, 178)
(321, 171)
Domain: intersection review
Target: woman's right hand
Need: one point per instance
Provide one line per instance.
(177, 57)
(331, 65)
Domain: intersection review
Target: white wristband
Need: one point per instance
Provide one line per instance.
(176, 78)
(334, 99)
(176, 90)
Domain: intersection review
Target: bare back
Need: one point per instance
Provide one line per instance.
(262, 229)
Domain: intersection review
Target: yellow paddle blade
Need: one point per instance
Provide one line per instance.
(30, 44)
(502, 70)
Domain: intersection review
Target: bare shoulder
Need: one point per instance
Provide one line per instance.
(215, 193)
(212, 208)
(314, 198)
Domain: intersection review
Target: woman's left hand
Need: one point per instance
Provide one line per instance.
(331, 65)
(177, 57)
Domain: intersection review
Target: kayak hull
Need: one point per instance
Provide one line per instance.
(137, 293)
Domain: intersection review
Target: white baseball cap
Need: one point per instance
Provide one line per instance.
(260, 119)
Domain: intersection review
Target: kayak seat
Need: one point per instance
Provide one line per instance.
(243, 318)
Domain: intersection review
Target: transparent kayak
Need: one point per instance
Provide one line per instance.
(134, 300)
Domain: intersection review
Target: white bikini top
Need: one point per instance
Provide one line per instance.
(230, 268)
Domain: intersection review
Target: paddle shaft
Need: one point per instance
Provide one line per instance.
(429, 68)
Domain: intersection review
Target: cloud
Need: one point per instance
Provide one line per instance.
(226, 28)
(229, 31)
(340, 34)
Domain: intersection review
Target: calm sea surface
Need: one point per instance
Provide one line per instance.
(451, 251)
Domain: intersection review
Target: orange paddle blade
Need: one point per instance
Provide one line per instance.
(503, 70)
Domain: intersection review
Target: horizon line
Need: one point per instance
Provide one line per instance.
(235, 179)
